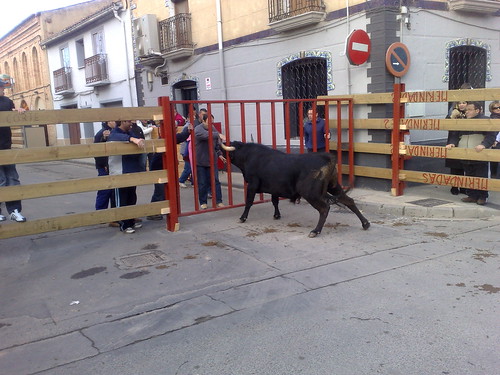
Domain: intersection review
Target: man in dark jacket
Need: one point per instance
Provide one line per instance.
(121, 164)
(8, 173)
(478, 140)
(104, 197)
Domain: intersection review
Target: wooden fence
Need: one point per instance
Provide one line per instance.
(399, 151)
(55, 153)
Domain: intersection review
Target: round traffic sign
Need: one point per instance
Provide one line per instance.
(397, 59)
(358, 47)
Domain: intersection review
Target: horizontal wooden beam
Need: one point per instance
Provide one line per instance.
(49, 189)
(427, 178)
(443, 179)
(40, 154)
(436, 96)
(13, 229)
(453, 153)
(374, 172)
(369, 148)
(422, 124)
(69, 116)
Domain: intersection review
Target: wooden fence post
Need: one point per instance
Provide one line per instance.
(397, 161)
(168, 131)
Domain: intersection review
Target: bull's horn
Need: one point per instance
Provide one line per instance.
(227, 148)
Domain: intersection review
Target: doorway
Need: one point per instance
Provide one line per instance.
(73, 129)
(185, 90)
(303, 79)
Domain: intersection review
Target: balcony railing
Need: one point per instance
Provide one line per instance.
(475, 6)
(176, 39)
(62, 81)
(96, 70)
(291, 14)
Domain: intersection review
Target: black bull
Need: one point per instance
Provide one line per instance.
(312, 176)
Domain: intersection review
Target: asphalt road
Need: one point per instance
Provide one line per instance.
(408, 296)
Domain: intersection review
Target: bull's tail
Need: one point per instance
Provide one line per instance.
(337, 193)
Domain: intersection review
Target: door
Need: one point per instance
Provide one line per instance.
(185, 90)
(303, 79)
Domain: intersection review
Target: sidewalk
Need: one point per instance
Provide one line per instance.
(426, 201)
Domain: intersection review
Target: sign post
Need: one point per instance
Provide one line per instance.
(358, 47)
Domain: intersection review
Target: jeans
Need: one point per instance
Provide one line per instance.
(10, 177)
(185, 172)
(204, 184)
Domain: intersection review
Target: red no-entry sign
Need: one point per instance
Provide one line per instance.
(358, 47)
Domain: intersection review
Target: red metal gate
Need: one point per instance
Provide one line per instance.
(261, 121)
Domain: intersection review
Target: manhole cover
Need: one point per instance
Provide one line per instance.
(150, 258)
(429, 202)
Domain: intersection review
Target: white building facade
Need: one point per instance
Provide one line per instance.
(92, 66)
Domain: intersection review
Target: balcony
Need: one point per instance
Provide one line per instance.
(62, 81)
(475, 6)
(176, 39)
(291, 14)
(96, 70)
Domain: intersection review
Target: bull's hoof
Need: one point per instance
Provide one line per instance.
(243, 219)
(313, 234)
(366, 225)
(277, 217)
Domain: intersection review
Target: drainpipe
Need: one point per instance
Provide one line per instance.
(115, 12)
(347, 60)
(221, 50)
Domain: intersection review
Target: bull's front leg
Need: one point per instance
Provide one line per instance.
(248, 203)
(276, 200)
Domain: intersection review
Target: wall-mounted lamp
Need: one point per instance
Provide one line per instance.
(405, 16)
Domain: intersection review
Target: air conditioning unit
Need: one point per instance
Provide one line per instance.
(146, 33)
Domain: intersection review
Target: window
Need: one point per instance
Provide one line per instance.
(64, 54)
(16, 76)
(303, 79)
(36, 67)
(80, 53)
(26, 70)
(98, 42)
(467, 65)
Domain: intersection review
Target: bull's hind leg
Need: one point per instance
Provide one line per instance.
(339, 196)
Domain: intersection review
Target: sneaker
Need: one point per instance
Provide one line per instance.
(469, 200)
(137, 225)
(155, 217)
(16, 216)
(182, 185)
(481, 202)
(220, 204)
(129, 230)
(203, 206)
(2, 218)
